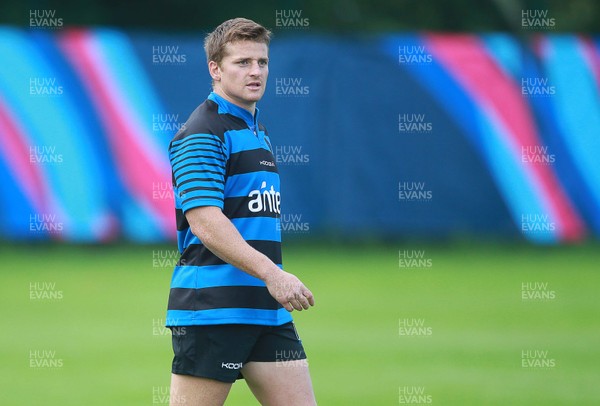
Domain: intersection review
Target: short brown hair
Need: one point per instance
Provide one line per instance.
(236, 29)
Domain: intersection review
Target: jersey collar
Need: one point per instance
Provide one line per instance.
(230, 108)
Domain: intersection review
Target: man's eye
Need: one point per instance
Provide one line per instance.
(262, 63)
(243, 62)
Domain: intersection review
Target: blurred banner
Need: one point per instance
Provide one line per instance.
(376, 136)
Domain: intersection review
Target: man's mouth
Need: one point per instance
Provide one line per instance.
(254, 85)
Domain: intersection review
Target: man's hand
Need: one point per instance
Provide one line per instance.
(220, 236)
(288, 290)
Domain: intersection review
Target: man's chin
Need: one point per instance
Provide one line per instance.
(252, 98)
(254, 95)
(246, 98)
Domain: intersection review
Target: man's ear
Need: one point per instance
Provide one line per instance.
(215, 71)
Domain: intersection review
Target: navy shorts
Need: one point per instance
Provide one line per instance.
(220, 351)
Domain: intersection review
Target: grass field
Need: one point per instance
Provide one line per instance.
(81, 325)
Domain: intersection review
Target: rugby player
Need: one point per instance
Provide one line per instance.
(230, 300)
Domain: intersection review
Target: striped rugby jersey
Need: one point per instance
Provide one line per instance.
(222, 157)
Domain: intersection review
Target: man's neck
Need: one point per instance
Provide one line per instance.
(251, 108)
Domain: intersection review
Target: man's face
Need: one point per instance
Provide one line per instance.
(241, 77)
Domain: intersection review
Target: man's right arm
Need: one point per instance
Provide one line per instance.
(220, 236)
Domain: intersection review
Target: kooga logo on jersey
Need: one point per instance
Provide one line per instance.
(264, 199)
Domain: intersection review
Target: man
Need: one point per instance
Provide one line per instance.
(230, 300)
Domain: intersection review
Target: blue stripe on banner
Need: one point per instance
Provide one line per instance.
(435, 78)
(131, 77)
(551, 133)
(139, 223)
(24, 66)
(105, 174)
(200, 277)
(40, 107)
(227, 316)
(578, 112)
(506, 167)
(506, 52)
(486, 135)
(512, 180)
(82, 164)
(174, 83)
(16, 208)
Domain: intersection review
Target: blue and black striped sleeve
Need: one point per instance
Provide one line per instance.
(199, 163)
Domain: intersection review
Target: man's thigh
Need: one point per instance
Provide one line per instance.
(280, 383)
(192, 390)
(277, 369)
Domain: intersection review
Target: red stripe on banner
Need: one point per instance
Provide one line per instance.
(466, 58)
(138, 171)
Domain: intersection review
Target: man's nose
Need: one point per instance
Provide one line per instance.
(255, 69)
